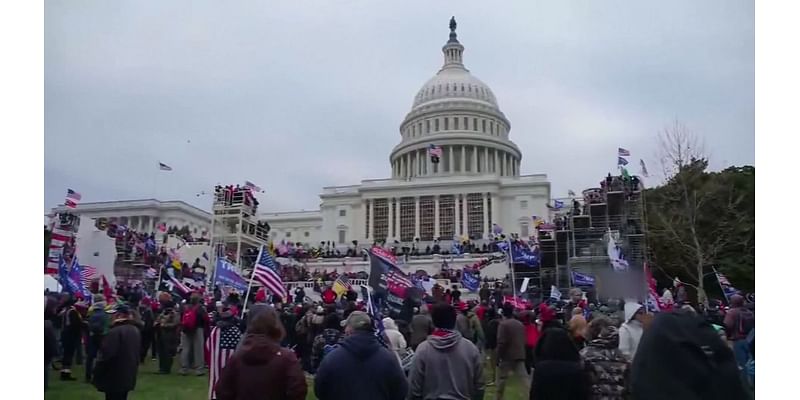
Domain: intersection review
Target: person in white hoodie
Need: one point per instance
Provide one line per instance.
(397, 343)
(630, 333)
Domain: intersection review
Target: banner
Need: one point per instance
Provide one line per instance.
(579, 279)
(470, 281)
(226, 275)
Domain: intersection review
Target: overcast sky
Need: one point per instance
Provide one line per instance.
(295, 95)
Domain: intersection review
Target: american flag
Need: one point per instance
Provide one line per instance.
(164, 167)
(623, 152)
(70, 204)
(434, 150)
(175, 285)
(73, 195)
(87, 274)
(266, 273)
(723, 280)
(221, 344)
(251, 186)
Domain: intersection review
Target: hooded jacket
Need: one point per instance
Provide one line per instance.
(397, 343)
(630, 333)
(261, 369)
(118, 359)
(331, 337)
(421, 327)
(446, 366)
(360, 369)
(607, 367)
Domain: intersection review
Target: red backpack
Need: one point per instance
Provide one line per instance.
(189, 319)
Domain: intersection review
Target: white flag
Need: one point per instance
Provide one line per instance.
(555, 293)
(524, 285)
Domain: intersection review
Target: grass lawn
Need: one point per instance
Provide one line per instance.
(150, 386)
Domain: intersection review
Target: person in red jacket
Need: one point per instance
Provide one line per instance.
(531, 337)
(328, 296)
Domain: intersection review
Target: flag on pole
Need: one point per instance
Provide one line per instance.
(251, 186)
(623, 152)
(470, 281)
(435, 151)
(644, 168)
(374, 313)
(225, 275)
(615, 255)
(341, 285)
(558, 204)
(570, 192)
(555, 294)
(580, 279)
(73, 195)
(164, 167)
(266, 273)
(87, 274)
(621, 161)
(723, 280)
(70, 204)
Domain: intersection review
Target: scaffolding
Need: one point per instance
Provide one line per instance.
(236, 232)
(612, 211)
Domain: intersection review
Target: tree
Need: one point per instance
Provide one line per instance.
(699, 219)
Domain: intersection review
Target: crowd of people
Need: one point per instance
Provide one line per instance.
(439, 347)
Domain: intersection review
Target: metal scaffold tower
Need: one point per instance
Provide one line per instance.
(236, 232)
(613, 211)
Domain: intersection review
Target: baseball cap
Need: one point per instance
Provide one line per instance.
(358, 320)
(119, 308)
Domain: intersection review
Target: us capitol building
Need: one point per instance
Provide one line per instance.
(477, 182)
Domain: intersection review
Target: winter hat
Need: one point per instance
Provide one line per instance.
(358, 321)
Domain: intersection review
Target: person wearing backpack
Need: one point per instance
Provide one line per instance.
(99, 322)
(327, 341)
(194, 319)
(739, 321)
(167, 326)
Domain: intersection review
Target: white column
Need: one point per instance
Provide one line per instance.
(401, 162)
(450, 160)
(463, 159)
(153, 225)
(486, 161)
(389, 236)
(416, 216)
(474, 159)
(505, 164)
(486, 226)
(371, 230)
(429, 163)
(465, 222)
(397, 220)
(457, 219)
(496, 162)
(436, 216)
(495, 216)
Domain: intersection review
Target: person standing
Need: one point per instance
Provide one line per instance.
(607, 368)
(194, 319)
(71, 330)
(261, 368)
(148, 319)
(118, 360)
(50, 340)
(557, 372)
(630, 332)
(99, 323)
(166, 327)
(491, 323)
(446, 365)
(360, 368)
(327, 340)
(511, 339)
(222, 342)
(421, 327)
(397, 343)
(739, 321)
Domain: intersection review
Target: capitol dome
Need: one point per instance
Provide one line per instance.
(458, 113)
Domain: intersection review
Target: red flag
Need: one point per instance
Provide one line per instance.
(70, 204)
(107, 292)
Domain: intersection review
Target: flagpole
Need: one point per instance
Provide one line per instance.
(213, 256)
(158, 284)
(250, 285)
(511, 269)
(716, 275)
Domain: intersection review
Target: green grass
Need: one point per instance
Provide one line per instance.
(150, 386)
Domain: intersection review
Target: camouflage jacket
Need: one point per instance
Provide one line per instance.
(607, 369)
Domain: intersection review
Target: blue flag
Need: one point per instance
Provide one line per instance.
(522, 254)
(226, 275)
(579, 279)
(621, 161)
(558, 204)
(373, 310)
(470, 281)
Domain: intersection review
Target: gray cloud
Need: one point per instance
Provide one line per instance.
(295, 97)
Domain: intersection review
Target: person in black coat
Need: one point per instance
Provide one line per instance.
(360, 368)
(558, 373)
(118, 360)
(50, 340)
